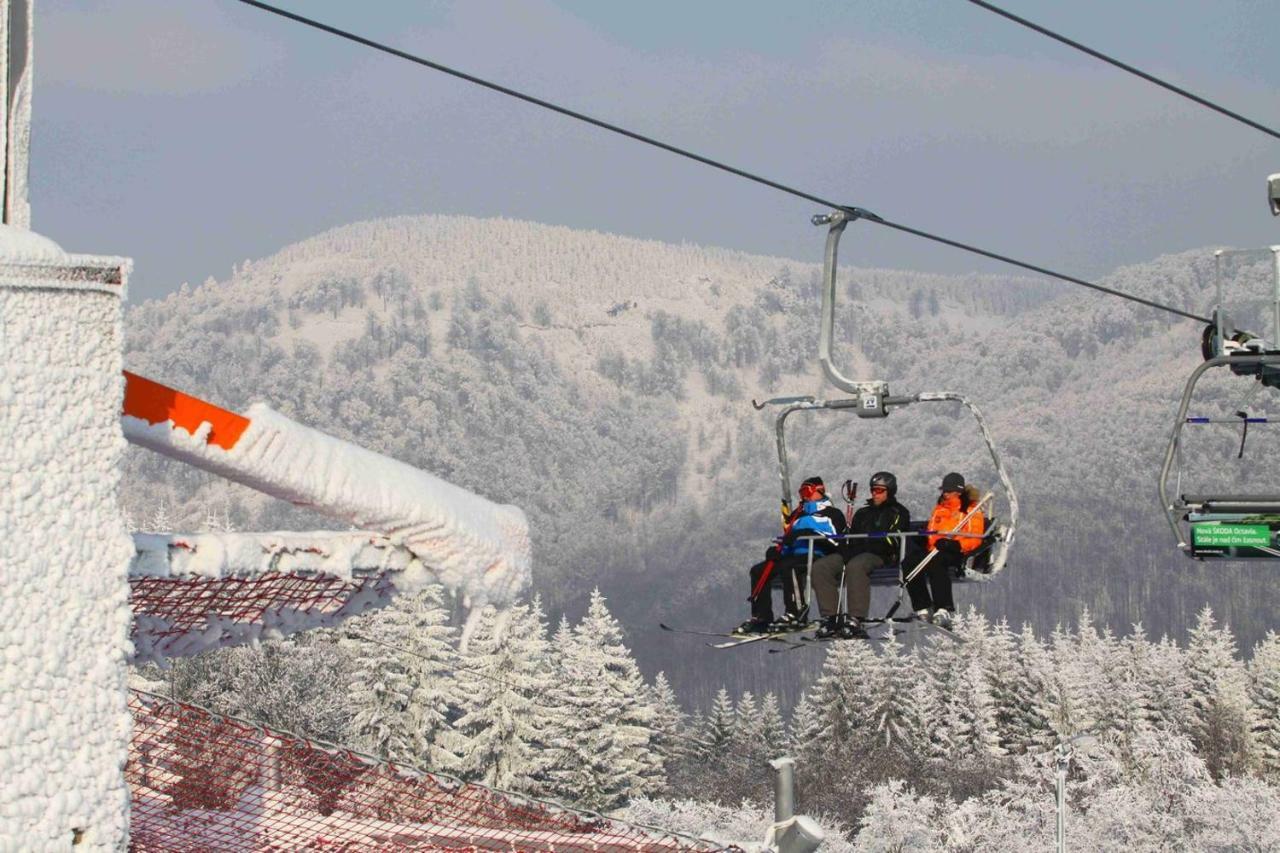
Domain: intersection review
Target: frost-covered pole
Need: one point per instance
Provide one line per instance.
(1063, 761)
(16, 41)
(1063, 753)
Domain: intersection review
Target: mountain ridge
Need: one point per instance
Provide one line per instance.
(602, 383)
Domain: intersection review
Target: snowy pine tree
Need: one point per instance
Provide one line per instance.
(161, 520)
(773, 727)
(1219, 698)
(889, 715)
(403, 687)
(808, 732)
(670, 729)
(747, 748)
(1264, 684)
(602, 737)
(503, 683)
(716, 734)
(1161, 674)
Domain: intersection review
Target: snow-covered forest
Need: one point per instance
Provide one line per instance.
(603, 384)
(919, 745)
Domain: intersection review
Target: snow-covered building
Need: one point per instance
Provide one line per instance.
(67, 612)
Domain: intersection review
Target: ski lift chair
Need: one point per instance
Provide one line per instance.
(873, 401)
(1211, 526)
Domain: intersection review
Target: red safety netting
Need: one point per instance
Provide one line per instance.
(201, 781)
(181, 616)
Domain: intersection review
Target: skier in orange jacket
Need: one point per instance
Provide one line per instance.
(931, 590)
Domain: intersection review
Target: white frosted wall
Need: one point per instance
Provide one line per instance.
(64, 554)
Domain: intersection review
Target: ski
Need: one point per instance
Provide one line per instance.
(775, 636)
(947, 632)
(739, 639)
(810, 641)
(667, 627)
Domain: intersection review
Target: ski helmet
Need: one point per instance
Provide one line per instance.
(884, 478)
(812, 487)
(953, 482)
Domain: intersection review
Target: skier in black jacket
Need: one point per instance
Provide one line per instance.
(882, 514)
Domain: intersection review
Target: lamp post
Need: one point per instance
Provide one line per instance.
(1063, 753)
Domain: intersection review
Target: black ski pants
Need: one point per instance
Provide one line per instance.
(791, 572)
(931, 589)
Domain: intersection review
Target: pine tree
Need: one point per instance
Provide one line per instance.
(161, 521)
(1219, 698)
(602, 741)
(1032, 724)
(402, 691)
(670, 730)
(747, 747)
(890, 716)
(717, 731)
(773, 727)
(845, 693)
(928, 736)
(1161, 675)
(809, 732)
(967, 717)
(1169, 668)
(502, 683)
(1264, 683)
(1010, 687)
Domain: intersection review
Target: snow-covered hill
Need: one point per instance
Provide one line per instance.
(603, 384)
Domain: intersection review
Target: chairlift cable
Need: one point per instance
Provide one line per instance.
(1150, 78)
(857, 212)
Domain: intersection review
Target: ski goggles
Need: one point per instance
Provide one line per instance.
(879, 490)
(808, 492)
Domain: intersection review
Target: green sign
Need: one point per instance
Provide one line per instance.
(1231, 535)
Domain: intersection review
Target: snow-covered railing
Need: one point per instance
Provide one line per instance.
(202, 781)
(194, 592)
(478, 549)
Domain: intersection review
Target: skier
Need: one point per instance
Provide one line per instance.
(788, 561)
(931, 590)
(881, 514)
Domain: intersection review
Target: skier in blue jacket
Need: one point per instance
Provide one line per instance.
(788, 561)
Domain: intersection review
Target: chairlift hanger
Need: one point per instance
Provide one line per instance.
(872, 398)
(1211, 526)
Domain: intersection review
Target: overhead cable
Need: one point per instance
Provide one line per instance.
(858, 212)
(1150, 78)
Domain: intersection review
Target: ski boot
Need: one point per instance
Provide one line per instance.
(852, 629)
(829, 629)
(792, 620)
(753, 626)
(943, 618)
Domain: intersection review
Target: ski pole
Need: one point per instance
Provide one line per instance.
(764, 579)
(902, 585)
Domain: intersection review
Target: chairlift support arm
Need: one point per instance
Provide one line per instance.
(1175, 505)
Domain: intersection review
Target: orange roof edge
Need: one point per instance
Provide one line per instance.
(155, 403)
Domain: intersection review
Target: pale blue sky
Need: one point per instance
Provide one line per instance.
(193, 135)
